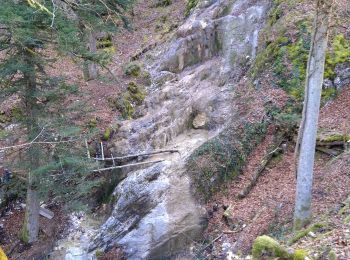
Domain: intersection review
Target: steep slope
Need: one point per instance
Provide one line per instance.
(155, 214)
(268, 208)
(203, 103)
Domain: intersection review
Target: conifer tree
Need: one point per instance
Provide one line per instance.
(28, 28)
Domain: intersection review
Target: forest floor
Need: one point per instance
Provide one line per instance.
(268, 208)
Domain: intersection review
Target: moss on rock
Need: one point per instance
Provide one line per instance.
(191, 4)
(267, 246)
(302, 233)
(300, 254)
(107, 134)
(221, 159)
(340, 52)
(126, 103)
(163, 3)
(137, 94)
(132, 69)
(92, 123)
(332, 255)
(329, 137)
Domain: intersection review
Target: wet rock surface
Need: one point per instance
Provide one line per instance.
(155, 215)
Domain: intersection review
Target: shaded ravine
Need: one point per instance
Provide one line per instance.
(190, 102)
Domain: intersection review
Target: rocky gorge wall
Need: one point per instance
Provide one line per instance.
(190, 103)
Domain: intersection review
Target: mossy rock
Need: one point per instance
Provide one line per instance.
(328, 94)
(127, 102)
(302, 233)
(137, 94)
(191, 4)
(332, 255)
(220, 159)
(163, 3)
(125, 107)
(146, 78)
(92, 123)
(107, 134)
(132, 69)
(331, 136)
(345, 207)
(4, 118)
(339, 53)
(300, 254)
(4, 134)
(267, 246)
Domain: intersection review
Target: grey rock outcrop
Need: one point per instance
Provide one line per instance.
(342, 71)
(155, 215)
(226, 28)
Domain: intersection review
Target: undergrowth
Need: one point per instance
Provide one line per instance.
(222, 158)
(285, 48)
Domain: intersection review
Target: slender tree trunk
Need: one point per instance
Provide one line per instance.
(30, 228)
(308, 129)
(92, 69)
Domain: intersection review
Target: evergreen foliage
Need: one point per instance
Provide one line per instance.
(29, 31)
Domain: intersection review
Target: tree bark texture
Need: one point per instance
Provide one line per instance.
(30, 229)
(92, 67)
(308, 128)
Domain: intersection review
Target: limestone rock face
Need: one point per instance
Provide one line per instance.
(140, 219)
(155, 215)
(227, 28)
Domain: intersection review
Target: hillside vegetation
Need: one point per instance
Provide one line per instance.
(196, 107)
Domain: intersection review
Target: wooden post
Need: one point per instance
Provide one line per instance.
(102, 152)
(87, 149)
(113, 160)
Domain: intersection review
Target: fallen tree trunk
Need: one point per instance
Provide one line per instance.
(126, 165)
(328, 144)
(133, 156)
(261, 168)
(332, 152)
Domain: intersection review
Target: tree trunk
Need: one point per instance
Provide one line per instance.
(30, 228)
(31, 220)
(308, 129)
(92, 69)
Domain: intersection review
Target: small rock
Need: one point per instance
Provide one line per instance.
(200, 121)
(231, 256)
(312, 234)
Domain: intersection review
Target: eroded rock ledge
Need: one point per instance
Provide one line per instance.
(155, 214)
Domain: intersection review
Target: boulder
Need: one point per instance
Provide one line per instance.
(200, 121)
